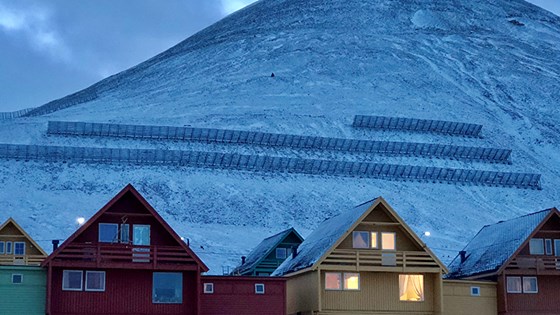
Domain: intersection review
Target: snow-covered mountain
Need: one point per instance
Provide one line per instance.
(489, 62)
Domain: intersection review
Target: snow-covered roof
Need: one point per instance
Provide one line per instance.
(322, 239)
(263, 250)
(495, 244)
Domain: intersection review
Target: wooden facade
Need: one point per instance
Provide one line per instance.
(17, 247)
(369, 280)
(464, 297)
(238, 295)
(125, 260)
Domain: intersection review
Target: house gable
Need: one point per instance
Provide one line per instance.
(11, 232)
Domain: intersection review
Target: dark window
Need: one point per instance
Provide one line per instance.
(17, 278)
(167, 288)
(108, 232)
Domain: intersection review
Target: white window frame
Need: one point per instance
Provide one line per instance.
(117, 235)
(16, 243)
(285, 250)
(340, 287)
(531, 247)
(65, 272)
(536, 285)
(344, 281)
(104, 281)
(3, 248)
(507, 285)
(368, 239)
(257, 286)
(208, 288)
(394, 238)
(17, 274)
(473, 289)
(9, 248)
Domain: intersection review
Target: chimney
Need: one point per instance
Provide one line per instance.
(55, 244)
(243, 260)
(294, 252)
(463, 255)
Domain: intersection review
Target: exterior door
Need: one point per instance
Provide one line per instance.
(141, 243)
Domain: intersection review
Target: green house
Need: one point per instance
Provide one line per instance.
(23, 282)
(269, 254)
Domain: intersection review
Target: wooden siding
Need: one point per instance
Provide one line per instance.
(546, 301)
(26, 298)
(234, 295)
(33, 256)
(127, 292)
(303, 293)
(457, 298)
(379, 293)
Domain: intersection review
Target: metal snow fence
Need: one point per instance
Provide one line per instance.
(15, 114)
(490, 155)
(417, 125)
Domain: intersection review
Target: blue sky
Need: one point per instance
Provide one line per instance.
(49, 49)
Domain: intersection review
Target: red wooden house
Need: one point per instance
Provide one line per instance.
(124, 260)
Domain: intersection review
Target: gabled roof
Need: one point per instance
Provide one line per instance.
(333, 231)
(22, 231)
(494, 245)
(264, 249)
(128, 189)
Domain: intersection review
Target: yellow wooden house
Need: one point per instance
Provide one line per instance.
(364, 261)
(17, 247)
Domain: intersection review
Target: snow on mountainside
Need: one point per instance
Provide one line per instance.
(495, 63)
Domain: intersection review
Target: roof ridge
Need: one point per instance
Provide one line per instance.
(519, 217)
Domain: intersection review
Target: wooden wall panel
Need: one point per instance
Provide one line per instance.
(546, 301)
(457, 298)
(26, 298)
(302, 293)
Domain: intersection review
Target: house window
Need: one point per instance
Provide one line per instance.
(333, 281)
(167, 288)
(95, 281)
(374, 243)
(259, 288)
(208, 288)
(556, 247)
(17, 278)
(19, 248)
(141, 234)
(411, 288)
(548, 246)
(388, 241)
(536, 246)
(108, 232)
(351, 281)
(72, 280)
(9, 248)
(475, 291)
(530, 285)
(360, 239)
(514, 285)
(125, 233)
(281, 253)
(2, 248)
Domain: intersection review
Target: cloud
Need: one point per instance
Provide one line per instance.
(230, 6)
(35, 24)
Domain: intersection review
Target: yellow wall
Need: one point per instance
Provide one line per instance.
(11, 234)
(457, 299)
(302, 293)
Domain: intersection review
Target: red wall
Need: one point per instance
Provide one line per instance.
(236, 296)
(547, 301)
(126, 292)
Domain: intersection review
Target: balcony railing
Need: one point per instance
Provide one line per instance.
(21, 260)
(369, 259)
(536, 263)
(119, 254)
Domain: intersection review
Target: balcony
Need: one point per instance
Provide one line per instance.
(535, 264)
(376, 260)
(124, 256)
(21, 260)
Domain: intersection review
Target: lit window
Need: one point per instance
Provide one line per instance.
(72, 280)
(548, 246)
(8, 248)
(351, 281)
(536, 246)
(167, 288)
(530, 285)
(374, 243)
(514, 284)
(281, 253)
(2, 247)
(411, 288)
(259, 288)
(108, 232)
(333, 281)
(17, 278)
(95, 281)
(208, 288)
(19, 248)
(475, 291)
(125, 233)
(388, 241)
(360, 239)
